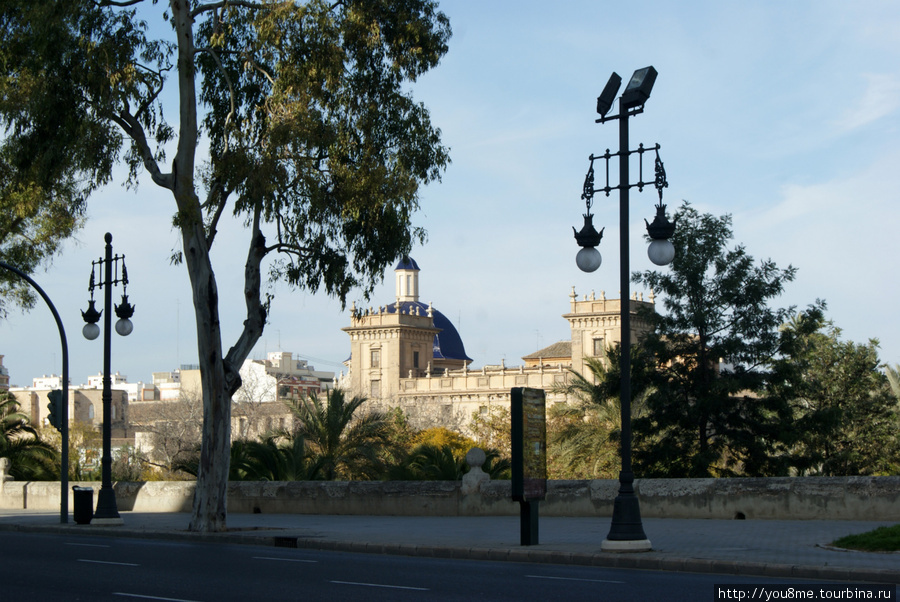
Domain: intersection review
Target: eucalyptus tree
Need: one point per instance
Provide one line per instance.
(293, 117)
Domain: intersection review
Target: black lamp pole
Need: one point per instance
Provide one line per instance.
(626, 532)
(62, 419)
(107, 511)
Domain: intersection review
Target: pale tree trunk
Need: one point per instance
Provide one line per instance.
(209, 510)
(219, 376)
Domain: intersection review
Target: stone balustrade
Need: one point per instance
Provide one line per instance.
(783, 498)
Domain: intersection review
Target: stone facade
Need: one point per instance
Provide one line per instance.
(85, 406)
(387, 347)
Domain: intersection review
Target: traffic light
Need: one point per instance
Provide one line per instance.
(55, 408)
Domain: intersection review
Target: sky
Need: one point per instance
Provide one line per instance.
(784, 115)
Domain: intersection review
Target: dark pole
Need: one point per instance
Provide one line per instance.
(626, 519)
(626, 534)
(64, 410)
(106, 501)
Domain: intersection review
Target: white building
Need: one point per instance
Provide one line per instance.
(280, 376)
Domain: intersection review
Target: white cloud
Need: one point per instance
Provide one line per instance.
(880, 98)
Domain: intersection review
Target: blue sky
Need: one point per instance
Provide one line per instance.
(784, 115)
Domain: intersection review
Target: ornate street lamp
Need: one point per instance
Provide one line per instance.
(626, 532)
(107, 512)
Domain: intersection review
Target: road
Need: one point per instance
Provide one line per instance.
(58, 567)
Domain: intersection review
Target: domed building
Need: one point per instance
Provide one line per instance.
(408, 355)
(404, 339)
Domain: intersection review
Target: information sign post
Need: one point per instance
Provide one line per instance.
(528, 417)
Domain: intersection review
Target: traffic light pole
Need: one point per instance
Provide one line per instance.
(64, 409)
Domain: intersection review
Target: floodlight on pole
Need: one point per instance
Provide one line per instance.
(626, 532)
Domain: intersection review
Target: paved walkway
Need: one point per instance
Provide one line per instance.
(778, 549)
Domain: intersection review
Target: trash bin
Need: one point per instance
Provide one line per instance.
(84, 504)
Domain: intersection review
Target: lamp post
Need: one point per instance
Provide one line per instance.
(107, 512)
(626, 532)
(61, 416)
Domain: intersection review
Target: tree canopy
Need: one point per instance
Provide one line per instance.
(844, 415)
(713, 344)
(295, 117)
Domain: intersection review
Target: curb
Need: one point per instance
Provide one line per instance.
(633, 561)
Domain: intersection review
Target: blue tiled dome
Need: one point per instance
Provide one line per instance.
(407, 263)
(447, 343)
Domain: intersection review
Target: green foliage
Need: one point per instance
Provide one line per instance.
(492, 429)
(30, 457)
(315, 142)
(496, 465)
(712, 344)
(65, 70)
(345, 445)
(893, 376)
(584, 435)
(446, 462)
(845, 418)
(312, 126)
(430, 462)
(882, 539)
(279, 457)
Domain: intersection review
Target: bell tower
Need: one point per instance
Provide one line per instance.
(407, 275)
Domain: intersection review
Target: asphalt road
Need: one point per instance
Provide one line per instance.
(58, 567)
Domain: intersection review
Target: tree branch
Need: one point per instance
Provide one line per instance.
(288, 249)
(228, 81)
(133, 128)
(256, 311)
(216, 190)
(119, 3)
(205, 8)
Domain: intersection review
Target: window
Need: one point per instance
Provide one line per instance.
(598, 347)
(376, 358)
(375, 389)
(415, 359)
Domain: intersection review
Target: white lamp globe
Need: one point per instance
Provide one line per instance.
(90, 331)
(661, 252)
(588, 259)
(124, 327)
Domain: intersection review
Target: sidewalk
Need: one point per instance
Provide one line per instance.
(777, 549)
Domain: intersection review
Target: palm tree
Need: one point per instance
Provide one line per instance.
(584, 435)
(429, 462)
(278, 457)
(893, 374)
(346, 446)
(30, 458)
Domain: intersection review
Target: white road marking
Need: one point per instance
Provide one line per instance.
(87, 545)
(284, 559)
(127, 595)
(108, 562)
(419, 589)
(572, 579)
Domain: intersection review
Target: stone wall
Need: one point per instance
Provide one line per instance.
(836, 498)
